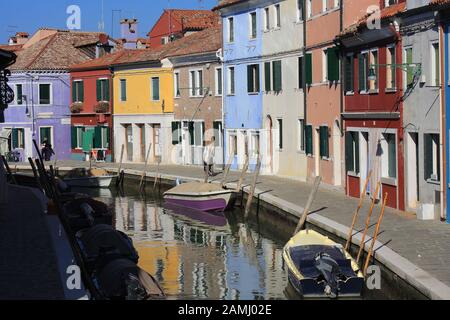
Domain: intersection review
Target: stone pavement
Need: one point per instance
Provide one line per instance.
(424, 243)
(28, 264)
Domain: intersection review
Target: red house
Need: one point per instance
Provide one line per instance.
(91, 108)
(373, 93)
(176, 23)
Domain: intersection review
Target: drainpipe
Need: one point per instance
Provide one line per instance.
(220, 55)
(442, 124)
(305, 89)
(341, 118)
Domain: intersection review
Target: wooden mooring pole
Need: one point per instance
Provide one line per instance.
(375, 235)
(355, 216)
(366, 228)
(119, 171)
(144, 172)
(243, 173)
(311, 198)
(228, 167)
(157, 174)
(253, 188)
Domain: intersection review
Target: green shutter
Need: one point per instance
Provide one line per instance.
(107, 90)
(191, 133)
(308, 140)
(333, 64)
(356, 140)
(99, 90)
(155, 89)
(108, 137)
(249, 79)
(98, 137)
(257, 79)
(74, 136)
(74, 91)
(300, 72)
(15, 138)
(267, 76)
(44, 134)
(277, 76)
(324, 146)
(308, 70)
(175, 133)
(361, 73)
(349, 164)
(81, 91)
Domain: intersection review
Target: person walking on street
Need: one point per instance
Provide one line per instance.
(47, 151)
(208, 157)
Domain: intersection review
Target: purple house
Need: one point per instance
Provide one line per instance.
(41, 83)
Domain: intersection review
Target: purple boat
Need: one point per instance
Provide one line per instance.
(201, 196)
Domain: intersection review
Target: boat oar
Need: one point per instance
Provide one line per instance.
(355, 216)
(363, 239)
(375, 236)
(311, 198)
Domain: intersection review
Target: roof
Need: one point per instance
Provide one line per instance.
(58, 51)
(385, 13)
(11, 48)
(139, 55)
(208, 40)
(226, 3)
(99, 63)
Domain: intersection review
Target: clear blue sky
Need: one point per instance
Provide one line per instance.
(29, 15)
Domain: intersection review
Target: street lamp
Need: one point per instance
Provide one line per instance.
(416, 68)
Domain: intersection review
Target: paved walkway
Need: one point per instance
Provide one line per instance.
(28, 264)
(424, 243)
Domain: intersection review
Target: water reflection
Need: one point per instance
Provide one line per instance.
(201, 256)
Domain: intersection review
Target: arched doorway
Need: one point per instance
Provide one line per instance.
(269, 149)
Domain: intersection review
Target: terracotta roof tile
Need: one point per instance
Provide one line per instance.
(11, 48)
(226, 3)
(100, 63)
(195, 19)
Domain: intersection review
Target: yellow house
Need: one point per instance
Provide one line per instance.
(143, 107)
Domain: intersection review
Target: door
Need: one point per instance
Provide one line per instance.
(88, 140)
(412, 165)
(129, 139)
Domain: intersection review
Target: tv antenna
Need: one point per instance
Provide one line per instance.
(101, 24)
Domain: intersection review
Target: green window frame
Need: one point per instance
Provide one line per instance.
(253, 78)
(309, 70)
(309, 140)
(45, 133)
(19, 94)
(300, 72)
(103, 90)
(349, 74)
(267, 77)
(324, 142)
(45, 92)
(123, 90)
(155, 89)
(352, 152)
(277, 76)
(77, 91)
(18, 138)
(333, 72)
(102, 137)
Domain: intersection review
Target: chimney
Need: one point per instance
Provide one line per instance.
(129, 32)
(22, 37)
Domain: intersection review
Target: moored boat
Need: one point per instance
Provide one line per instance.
(207, 197)
(320, 268)
(88, 178)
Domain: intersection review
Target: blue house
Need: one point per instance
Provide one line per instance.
(242, 53)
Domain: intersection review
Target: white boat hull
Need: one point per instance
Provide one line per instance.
(90, 182)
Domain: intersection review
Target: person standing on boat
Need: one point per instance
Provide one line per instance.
(208, 157)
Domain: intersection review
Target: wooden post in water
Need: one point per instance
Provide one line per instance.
(118, 182)
(311, 198)
(375, 236)
(363, 239)
(243, 173)
(252, 190)
(355, 216)
(157, 173)
(144, 172)
(227, 168)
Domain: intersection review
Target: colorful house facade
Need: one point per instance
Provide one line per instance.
(92, 108)
(198, 88)
(41, 82)
(143, 107)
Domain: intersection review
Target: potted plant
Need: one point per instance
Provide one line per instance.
(76, 107)
(102, 107)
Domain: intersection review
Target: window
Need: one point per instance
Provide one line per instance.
(253, 29)
(373, 65)
(388, 3)
(103, 90)
(352, 152)
(267, 77)
(155, 89)
(164, 40)
(277, 76)
(177, 84)
(324, 65)
(217, 126)
(77, 137)
(332, 63)
(231, 84)
(266, 19)
(389, 156)
(233, 143)
(363, 69)
(277, 16)
(231, 29)
(199, 132)
(432, 157)
(18, 138)
(77, 91)
(253, 78)
(336, 3)
(349, 74)
(196, 80)
(309, 9)
(19, 94)
(300, 72)
(44, 94)
(45, 134)
(176, 132)
(123, 90)
(301, 134)
(390, 68)
(254, 146)
(410, 70)
(219, 80)
(324, 144)
(300, 10)
(308, 73)
(435, 65)
(101, 137)
(280, 134)
(324, 5)
(309, 140)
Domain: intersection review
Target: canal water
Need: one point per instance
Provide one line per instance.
(199, 255)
